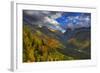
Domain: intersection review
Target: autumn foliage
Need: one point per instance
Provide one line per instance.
(38, 47)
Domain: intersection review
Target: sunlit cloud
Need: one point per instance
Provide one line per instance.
(59, 21)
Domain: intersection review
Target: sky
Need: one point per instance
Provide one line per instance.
(55, 20)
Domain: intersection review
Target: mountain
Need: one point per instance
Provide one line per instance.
(77, 42)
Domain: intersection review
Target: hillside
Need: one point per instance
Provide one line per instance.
(41, 44)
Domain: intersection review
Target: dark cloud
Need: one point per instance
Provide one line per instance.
(38, 17)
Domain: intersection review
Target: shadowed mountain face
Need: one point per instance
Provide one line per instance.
(55, 36)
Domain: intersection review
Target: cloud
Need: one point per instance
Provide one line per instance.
(57, 20)
(74, 20)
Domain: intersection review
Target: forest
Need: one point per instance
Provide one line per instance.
(39, 47)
